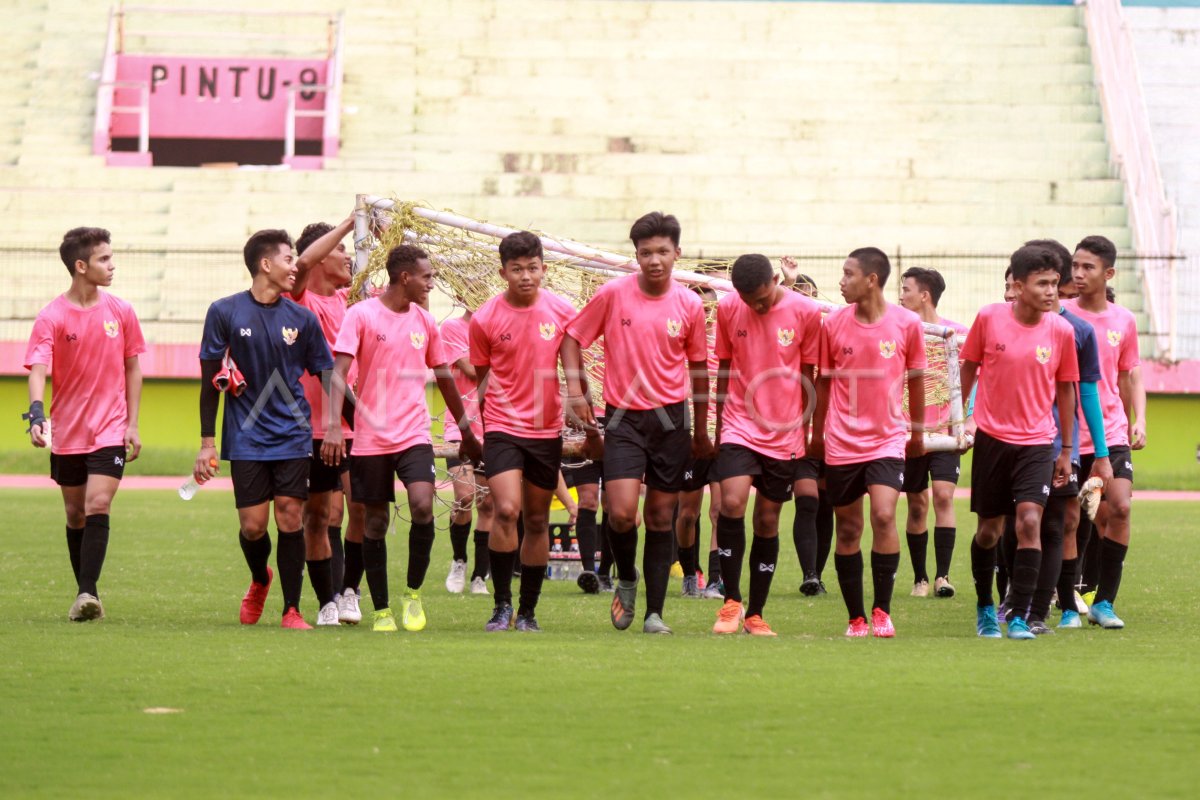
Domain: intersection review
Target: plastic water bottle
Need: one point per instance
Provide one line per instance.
(188, 490)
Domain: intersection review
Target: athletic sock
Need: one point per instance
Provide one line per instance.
(804, 533)
(459, 533)
(1008, 546)
(289, 559)
(883, 577)
(714, 566)
(257, 553)
(502, 575)
(824, 530)
(624, 550)
(731, 545)
(687, 560)
(764, 554)
(850, 579)
(1052, 556)
(92, 551)
(337, 562)
(74, 546)
(943, 551)
(918, 543)
(983, 570)
(354, 566)
(374, 556)
(482, 562)
(585, 533)
(1112, 562)
(1089, 555)
(320, 575)
(606, 554)
(1023, 581)
(1066, 584)
(420, 545)
(531, 588)
(656, 565)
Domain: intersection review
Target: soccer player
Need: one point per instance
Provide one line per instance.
(1024, 356)
(90, 341)
(266, 435)
(920, 291)
(768, 342)
(1123, 401)
(654, 336)
(516, 339)
(868, 350)
(394, 342)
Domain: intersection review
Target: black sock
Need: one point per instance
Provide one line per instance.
(656, 564)
(482, 562)
(1066, 584)
(74, 547)
(1052, 556)
(764, 554)
(606, 554)
(624, 549)
(1008, 546)
(850, 579)
(374, 556)
(883, 577)
(585, 532)
(917, 546)
(257, 553)
(531, 588)
(943, 551)
(92, 550)
(1023, 582)
(824, 530)
(983, 570)
(804, 533)
(1089, 555)
(289, 560)
(320, 575)
(337, 562)
(714, 566)
(502, 575)
(354, 566)
(687, 560)
(731, 545)
(420, 545)
(459, 533)
(1112, 562)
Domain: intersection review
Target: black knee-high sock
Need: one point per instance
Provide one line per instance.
(482, 562)
(883, 577)
(687, 560)
(656, 564)
(764, 554)
(74, 548)
(585, 533)
(1008, 546)
(520, 541)
(1023, 581)
(502, 575)
(92, 550)
(714, 566)
(850, 579)
(918, 544)
(804, 533)
(943, 551)
(983, 570)
(624, 549)
(824, 530)
(354, 566)
(289, 560)
(258, 554)
(731, 545)
(420, 545)
(695, 548)
(1090, 557)
(374, 556)
(459, 533)
(1003, 563)
(320, 575)
(1112, 563)
(531, 589)
(337, 562)
(1052, 556)
(606, 554)
(1066, 584)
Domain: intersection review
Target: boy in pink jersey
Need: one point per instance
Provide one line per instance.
(1123, 401)
(920, 291)
(516, 339)
(654, 339)
(868, 350)
(1026, 362)
(768, 342)
(394, 342)
(89, 341)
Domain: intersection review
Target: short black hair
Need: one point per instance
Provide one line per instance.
(1109, 294)
(803, 280)
(521, 244)
(1100, 246)
(873, 260)
(927, 280)
(78, 244)
(654, 224)
(1059, 249)
(1033, 258)
(263, 244)
(402, 258)
(1008, 272)
(310, 234)
(750, 272)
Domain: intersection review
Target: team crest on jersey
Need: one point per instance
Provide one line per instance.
(1043, 355)
(674, 326)
(785, 336)
(547, 330)
(418, 339)
(289, 335)
(112, 328)
(1114, 338)
(887, 349)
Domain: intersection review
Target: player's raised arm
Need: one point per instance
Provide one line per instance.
(316, 252)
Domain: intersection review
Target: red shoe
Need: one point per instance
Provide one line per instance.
(256, 597)
(881, 624)
(858, 628)
(755, 626)
(293, 620)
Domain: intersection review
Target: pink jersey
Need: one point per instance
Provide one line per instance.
(868, 365)
(648, 341)
(393, 351)
(330, 311)
(85, 350)
(1019, 366)
(520, 346)
(765, 403)
(456, 343)
(1116, 339)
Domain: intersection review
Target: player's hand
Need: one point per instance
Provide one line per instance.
(702, 446)
(593, 444)
(916, 446)
(816, 449)
(1102, 469)
(333, 449)
(469, 449)
(133, 444)
(580, 414)
(1062, 470)
(36, 434)
(1137, 435)
(206, 464)
(790, 270)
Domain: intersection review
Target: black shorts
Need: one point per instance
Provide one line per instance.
(538, 459)
(698, 473)
(590, 472)
(774, 478)
(1121, 459)
(257, 482)
(73, 470)
(373, 478)
(848, 482)
(1071, 487)
(651, 446)
(321, 476)
(941, 466)
(1004, 474)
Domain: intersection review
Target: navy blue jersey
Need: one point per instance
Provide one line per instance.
(1089, 372)
(272, 345)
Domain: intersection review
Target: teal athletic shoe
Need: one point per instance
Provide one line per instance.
(1070, 619)
(1018, 629)
(986, 624)
(1102, 614)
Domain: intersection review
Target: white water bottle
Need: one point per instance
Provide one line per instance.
(188, 490)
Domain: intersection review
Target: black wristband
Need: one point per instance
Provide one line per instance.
(36, 414)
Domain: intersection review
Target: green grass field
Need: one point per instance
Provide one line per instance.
(581, 710)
